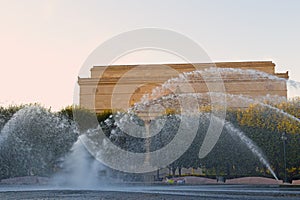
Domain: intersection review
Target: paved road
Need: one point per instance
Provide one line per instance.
(213, 192)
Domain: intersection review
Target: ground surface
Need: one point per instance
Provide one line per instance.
(208, 192)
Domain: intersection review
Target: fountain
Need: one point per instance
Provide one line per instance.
(32, 142)
(37, 142)
(250, 144)
(160, 97)
(80, 169)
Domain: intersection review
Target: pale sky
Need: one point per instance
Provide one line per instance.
(44, 43)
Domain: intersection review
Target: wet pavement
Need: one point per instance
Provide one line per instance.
(208, 192)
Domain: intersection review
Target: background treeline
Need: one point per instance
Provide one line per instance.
(265, 125)
(34, 140)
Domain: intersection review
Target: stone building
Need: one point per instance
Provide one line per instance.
(118, 87)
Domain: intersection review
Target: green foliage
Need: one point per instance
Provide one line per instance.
(266, 125)
(34, 143)
(7, 113)
(84, 118)
(230, 157)
(272, 118)
(101, 117)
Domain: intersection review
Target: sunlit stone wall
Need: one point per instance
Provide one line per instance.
(119, 87)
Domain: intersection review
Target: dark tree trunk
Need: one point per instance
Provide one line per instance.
(173, 171)
(179, 171)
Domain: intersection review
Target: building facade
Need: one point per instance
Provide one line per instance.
(118, 87)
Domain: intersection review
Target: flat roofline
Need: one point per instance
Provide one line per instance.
(184, 63)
